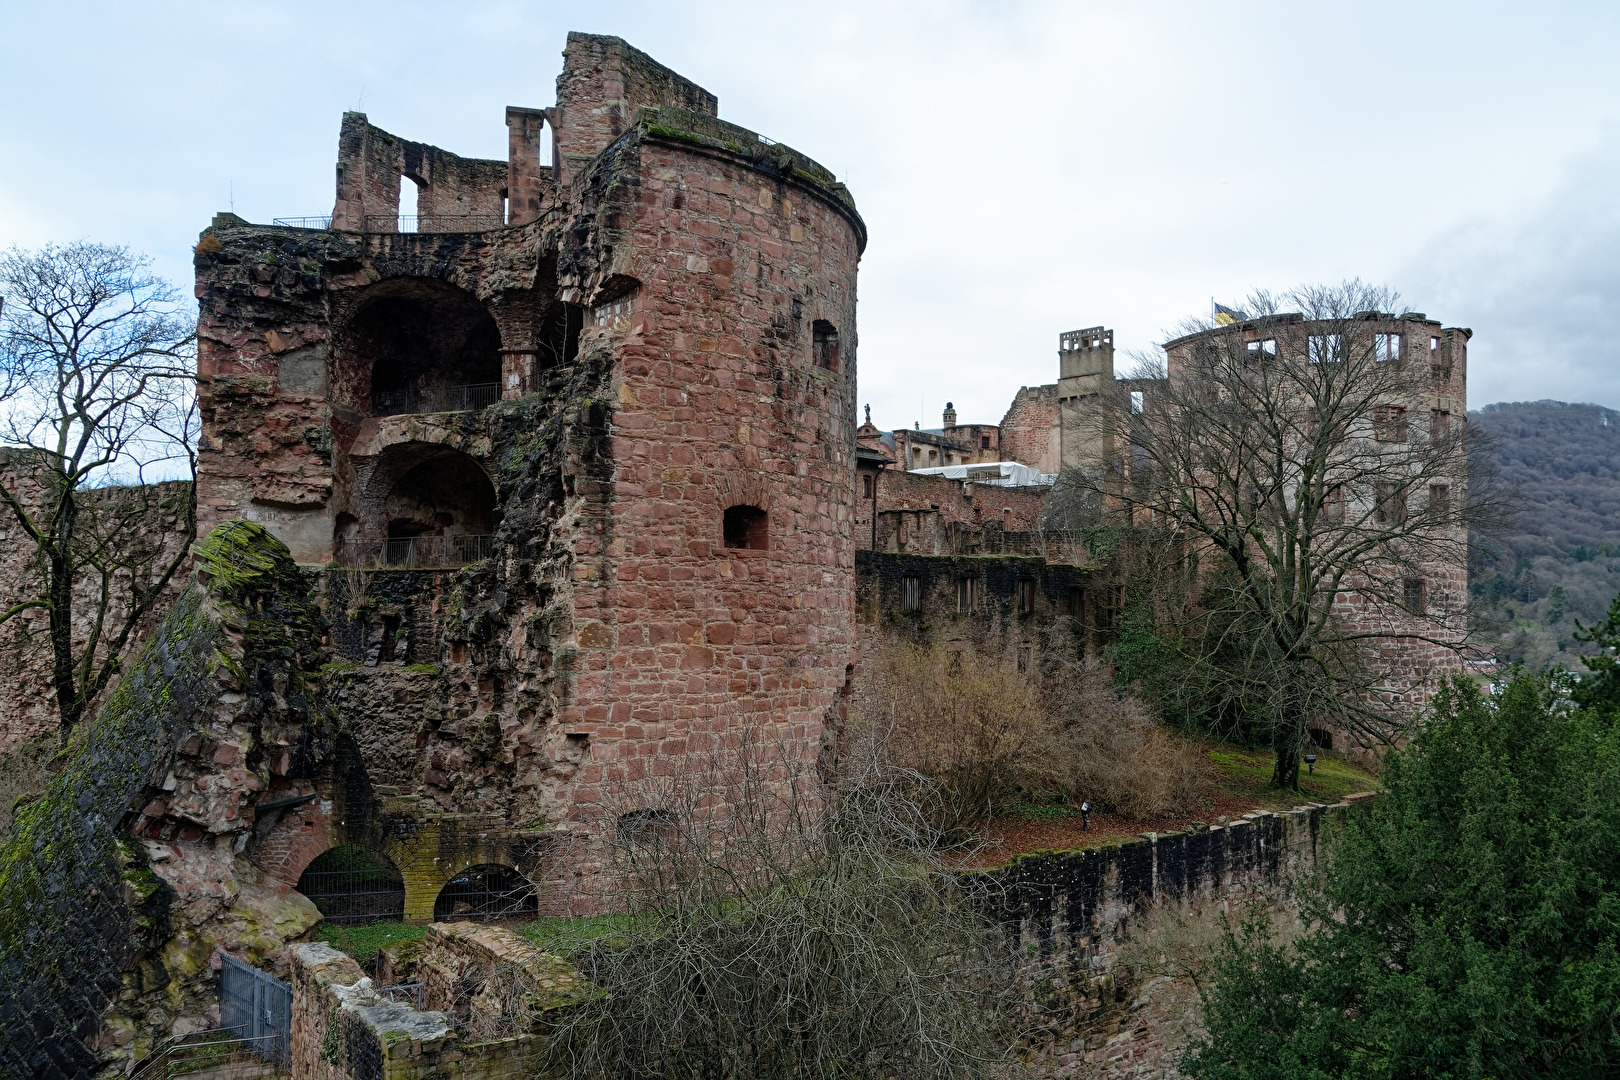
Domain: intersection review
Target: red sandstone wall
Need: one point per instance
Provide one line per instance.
(1029, 431)
(932, 507)
(719, 403)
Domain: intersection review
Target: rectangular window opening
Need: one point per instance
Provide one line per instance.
(1137, 398)
(1414, 595)
(1326, 348)
(911, 593)
(967, 595)
(1387, 348)
(1026, 597)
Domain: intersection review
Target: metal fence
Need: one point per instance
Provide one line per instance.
(257, 1008)
(406, 992)
(488, 891)
(469, 398)
(415, 552)
(319, 221)
(353, 893)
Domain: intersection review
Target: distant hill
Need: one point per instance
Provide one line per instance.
(1560, 559)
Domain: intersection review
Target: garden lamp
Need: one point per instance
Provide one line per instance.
(1085, 817)
(1310, 764)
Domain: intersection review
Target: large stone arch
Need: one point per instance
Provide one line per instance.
(413, 345)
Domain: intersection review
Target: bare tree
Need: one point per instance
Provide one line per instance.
(97, 380)
(1297, 456)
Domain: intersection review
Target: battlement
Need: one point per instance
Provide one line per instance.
(1093, 337)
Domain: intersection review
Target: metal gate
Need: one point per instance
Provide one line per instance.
(257, 1007)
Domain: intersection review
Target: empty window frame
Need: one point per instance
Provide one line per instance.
(1026, 596)
(1260, 348)
(1414, 595)
(1138, 398)
(745, 527)
(911, 593)
(1387, 348)
(1439, 500)
(866, 487)
(1326, 348)
(825, 344)
(1389, 424)
(1333, 507)
(967, 595)
(1391, 505)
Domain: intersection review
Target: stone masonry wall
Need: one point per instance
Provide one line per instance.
(1068, 913)
(1029, 431)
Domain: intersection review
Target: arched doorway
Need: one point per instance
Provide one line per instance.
(353, 884)
(419, 345)
(487, 891)
(427, 505)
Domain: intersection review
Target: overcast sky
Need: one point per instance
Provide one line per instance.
(1023, 168)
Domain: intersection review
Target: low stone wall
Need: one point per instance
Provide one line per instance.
(344, 1028)
(1070, 912)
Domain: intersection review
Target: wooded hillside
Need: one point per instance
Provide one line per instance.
(1559, 560)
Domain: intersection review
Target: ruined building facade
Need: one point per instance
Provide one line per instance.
(572, 449)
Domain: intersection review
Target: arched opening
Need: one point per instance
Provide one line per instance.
(430, 506)
(419, 346)
(487, 891)
(746, 527)
(353, 884)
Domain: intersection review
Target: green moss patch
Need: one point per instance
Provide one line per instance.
(363, 941)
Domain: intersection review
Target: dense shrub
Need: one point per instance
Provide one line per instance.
(1468, 924)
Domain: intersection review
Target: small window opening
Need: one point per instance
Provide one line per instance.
(1439, 498)
(1387, 348)
(506, 209)
(1413, 595)
(984, 442)
(1434, 345)
(1391, 505)
(390, 639)
(1136, 401)
(967, 594)
(1439, 424)
(1026, 597)
(825, 337)
(1389, 424)
(1333, 507)
(1077, 604)
(1262, 347)
(744, 527)
(643, 826)
(1326, 348)
(911, 593)
(866, 487)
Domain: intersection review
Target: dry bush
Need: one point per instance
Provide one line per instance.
(1118, 756)
(776, 928)
(973, 724)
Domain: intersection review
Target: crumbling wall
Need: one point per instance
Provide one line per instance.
(934, 515)
(1030, 432)
(603, 82)
(27, 697)
(122, 881)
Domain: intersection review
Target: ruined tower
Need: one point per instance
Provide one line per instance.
(1085, 375)
(572, 449)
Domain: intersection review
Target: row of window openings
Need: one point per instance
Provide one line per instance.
(1329, 348)
(968, 598)
(1389, 504)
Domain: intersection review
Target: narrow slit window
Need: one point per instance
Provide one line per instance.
(1137, 398)
(825, 344)
(911, 593)
(967, 595)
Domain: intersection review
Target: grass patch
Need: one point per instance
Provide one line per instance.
(1246, 773)
(1025, 811)
(564, 936)
(363, 941)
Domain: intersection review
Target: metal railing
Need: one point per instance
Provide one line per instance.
(220, 1053)
(410, 993)
(469, 398)
(415, 552)
(433, 223)
(403, 223)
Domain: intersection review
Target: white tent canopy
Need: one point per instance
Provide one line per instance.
(997, 473)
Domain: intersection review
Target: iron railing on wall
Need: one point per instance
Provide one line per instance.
(415, 552)
(217, 1053)
(317, 221)
(469, 398)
